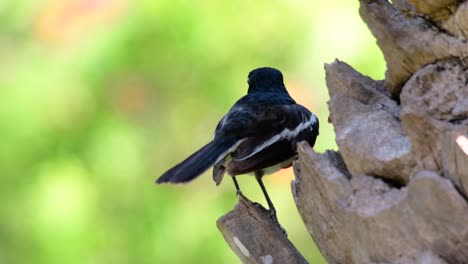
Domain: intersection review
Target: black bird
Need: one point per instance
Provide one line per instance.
(258, 135)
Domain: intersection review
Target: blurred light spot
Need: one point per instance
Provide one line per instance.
(303, 95)
(282, 176)
(132, 96)
(63, 196)
(68, 106)
(116, 152)
(65, 21)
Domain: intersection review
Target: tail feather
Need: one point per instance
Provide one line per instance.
(198, 162)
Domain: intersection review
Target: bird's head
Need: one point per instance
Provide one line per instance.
(265, 79)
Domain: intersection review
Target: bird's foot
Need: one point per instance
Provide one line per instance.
(274, 217)
(272, 214)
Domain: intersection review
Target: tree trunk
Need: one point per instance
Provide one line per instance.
(396, 192)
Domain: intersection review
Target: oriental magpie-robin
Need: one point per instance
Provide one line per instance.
(258, 135)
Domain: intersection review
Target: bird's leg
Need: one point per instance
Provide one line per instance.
(258, 176)
(238, 191)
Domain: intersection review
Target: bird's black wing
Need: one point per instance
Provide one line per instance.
(274, 124)
(261, 126)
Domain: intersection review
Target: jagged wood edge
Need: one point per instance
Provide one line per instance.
(255, 238)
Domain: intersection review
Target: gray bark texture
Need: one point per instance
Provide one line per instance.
(255, 237)
(397, 189)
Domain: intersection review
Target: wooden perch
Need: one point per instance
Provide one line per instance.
(255, 237)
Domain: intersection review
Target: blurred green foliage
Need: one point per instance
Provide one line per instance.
(98, 98)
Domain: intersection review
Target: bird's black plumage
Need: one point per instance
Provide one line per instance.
(258, 135)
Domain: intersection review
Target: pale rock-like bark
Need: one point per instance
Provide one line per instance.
(379, 147)
(364, 220)
(407, 42)
(437, 10)
(457, 24)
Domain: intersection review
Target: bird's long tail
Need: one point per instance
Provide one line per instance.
(198, 162)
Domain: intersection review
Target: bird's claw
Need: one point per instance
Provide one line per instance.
(274, 217)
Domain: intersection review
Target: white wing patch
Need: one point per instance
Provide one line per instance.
(226, 117)
(221, 124)
(286, 133)
(231, 149)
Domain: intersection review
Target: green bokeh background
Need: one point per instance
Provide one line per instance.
(99, 97)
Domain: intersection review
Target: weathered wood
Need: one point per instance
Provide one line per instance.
(457, 24)
(435, 114)
(407, 42)
(437, 10)
(364, 220)
(255, 237)
(439, 90)
(455, 160)
(320, 181)
(368, 133)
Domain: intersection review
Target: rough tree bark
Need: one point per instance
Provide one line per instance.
(397, 190)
